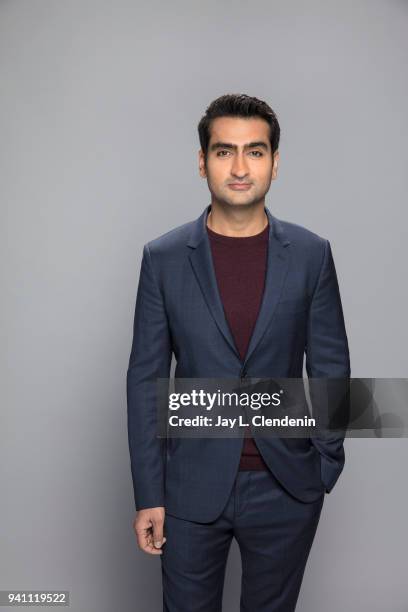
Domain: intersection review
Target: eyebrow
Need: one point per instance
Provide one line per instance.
(248, 145)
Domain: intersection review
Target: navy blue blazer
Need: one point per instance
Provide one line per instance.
(179, 310)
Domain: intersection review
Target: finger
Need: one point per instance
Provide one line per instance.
(145, 542)
(158, 533)
(147, 547)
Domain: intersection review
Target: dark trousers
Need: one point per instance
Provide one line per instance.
(274, 532)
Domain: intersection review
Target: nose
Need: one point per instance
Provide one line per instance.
(239, 167)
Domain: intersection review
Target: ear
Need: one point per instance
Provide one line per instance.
(275, 164)
(201, 164)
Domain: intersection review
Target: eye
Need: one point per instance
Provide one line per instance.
(259, 153)
(223, 151)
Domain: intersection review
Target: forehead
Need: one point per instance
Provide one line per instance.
(239, 130)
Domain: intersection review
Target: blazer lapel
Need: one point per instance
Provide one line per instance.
(276, 272)
(277, 267)
(202, 263)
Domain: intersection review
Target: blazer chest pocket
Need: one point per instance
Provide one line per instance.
(292, 307)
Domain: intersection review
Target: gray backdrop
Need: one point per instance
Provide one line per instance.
(99, 109)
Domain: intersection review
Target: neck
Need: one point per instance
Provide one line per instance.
(237, 221)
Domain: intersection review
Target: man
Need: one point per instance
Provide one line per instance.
(236, 293)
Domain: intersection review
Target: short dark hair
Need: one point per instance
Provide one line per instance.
(238, 105)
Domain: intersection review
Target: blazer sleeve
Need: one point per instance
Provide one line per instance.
(327, 357)
(150, 358)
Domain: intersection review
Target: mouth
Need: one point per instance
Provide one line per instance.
(239, 186)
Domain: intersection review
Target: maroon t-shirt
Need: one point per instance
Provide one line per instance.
(240, 268)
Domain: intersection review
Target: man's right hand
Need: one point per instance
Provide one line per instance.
(148, 526)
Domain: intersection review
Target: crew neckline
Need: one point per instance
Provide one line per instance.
(239, 239)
